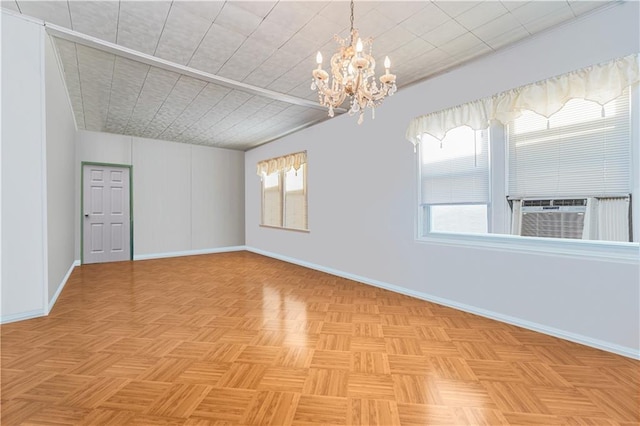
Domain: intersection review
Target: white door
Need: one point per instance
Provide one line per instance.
(106, 214)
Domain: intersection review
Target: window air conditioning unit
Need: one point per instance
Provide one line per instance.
(553, 218)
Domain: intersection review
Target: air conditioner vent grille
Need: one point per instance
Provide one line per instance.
(549, 203)
(553, 225)
(536, 203)
(578, 202)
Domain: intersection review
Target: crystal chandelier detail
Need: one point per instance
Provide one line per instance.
(353, 75)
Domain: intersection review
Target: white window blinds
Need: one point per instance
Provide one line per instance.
(295, 199)
(582, 150)
(271, 200)
(456, 170)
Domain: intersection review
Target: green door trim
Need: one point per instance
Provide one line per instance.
(123, 166)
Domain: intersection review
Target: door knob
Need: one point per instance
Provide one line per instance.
(86, 215)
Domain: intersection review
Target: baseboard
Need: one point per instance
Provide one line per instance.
(551, 331)
(41, 312)
(61, 286)
(22, 316)
(188, 253)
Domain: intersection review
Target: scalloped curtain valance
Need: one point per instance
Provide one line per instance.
(600, 83)
(284, 163)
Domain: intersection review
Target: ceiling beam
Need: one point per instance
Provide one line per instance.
(134, 55)
(286, 132)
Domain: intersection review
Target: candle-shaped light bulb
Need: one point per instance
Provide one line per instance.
(387, 63)
(319, 58)
(359, 45)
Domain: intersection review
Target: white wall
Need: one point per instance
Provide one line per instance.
(217, 198)
(185, 198)
(24, 262)
(60, 137)
(362, 202)
(161, 196)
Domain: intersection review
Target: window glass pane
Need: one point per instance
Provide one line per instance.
(270, 181)
(459, 218)
(529, 121)
(582, 111)
(457, 144)
(271, 200)
(295, 202)
(575, 111)
(455, 170)
(294, 180)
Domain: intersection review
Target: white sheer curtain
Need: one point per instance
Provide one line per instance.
(613, 219)
(600, 83)
(590, 229)
(606, 219)
(516, 217)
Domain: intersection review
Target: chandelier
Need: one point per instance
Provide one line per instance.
(353, 75)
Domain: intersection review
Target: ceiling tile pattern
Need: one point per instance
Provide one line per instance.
(265, 44)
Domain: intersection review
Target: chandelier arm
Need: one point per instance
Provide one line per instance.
(366, 93)
(334, 98)
(381, 94)
(340, 99)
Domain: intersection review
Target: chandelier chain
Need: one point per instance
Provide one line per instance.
(351, 18)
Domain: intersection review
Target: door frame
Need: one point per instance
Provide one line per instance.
(123, 166)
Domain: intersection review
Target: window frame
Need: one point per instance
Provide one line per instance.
(425, 218)
(283, 201)
(619, 252)
(262, 199)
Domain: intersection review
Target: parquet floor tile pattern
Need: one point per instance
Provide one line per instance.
(238, 338)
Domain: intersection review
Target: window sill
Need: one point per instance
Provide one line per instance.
(597, 250)
(304, 231)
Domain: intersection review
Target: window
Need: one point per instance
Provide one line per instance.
(565, 177)
(582, 150)
(455, 181)
(562, 166)
(573, 167)
(284, 191)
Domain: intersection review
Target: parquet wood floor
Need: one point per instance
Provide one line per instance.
(238, 338)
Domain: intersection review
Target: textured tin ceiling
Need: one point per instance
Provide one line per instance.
(236, 74)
